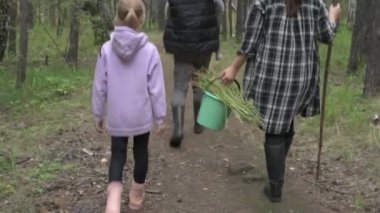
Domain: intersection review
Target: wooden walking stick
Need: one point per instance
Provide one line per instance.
(324, 93)
(323, 110)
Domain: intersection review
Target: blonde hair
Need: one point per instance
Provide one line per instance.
(130, 13)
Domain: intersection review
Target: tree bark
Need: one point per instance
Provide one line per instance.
(52, 13)
(31, 15)
(230, 18)
(240, 19)
(115, 4)
(160, 14)
(24, 40)
(59, 21)
(4, 21)
(372, 79)
(225, 21)
(358, 37)
(351, 13)
(72, 53)
(12, 28)
(150, 18)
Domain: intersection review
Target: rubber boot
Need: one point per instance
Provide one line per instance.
(275, 155)
(114, 191)
(136, 196)
(178, 121)
(198, 129)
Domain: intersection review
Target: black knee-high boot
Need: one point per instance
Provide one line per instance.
(178, 121)
(275, 154)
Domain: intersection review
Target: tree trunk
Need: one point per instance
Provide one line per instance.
(12, 28)
(52, 13)
(38, 11)
(240, 19)
(160, 14)
(224, 21)
(72, 53)
(60, 21)
(64, 16)
(24, 40)
(150, 18)
(358, 37)
(372, 79)
(115, 4)
(230, 18)
(351, 12)
(105, 24)
(4, 21)
(31, 15)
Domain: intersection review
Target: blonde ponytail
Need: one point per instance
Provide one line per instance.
(130, 13)
(131, 20)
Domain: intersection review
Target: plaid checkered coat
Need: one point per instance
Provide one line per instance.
(282, 71)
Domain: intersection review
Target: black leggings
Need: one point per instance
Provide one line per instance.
(119, 156)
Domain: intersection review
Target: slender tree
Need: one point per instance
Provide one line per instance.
(359, 36)
(160, 14)
(230, 17)
(30, 14)
(225, 21)
(4, 21)
(59, 21)
(72, 52)
(372, 79)
(12, 28)
(351, 12)
(24, 40)
(240, 19)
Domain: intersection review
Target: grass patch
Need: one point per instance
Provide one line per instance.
(42, 87)
(21, 186)
(47, 171)
(31, 114)
(362, 204)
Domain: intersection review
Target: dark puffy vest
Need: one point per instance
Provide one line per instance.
(192, 27)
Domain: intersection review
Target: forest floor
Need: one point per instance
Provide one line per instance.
(216, 172)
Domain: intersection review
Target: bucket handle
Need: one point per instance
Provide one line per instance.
(213, 81)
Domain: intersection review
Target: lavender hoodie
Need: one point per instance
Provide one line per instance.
(129, 84)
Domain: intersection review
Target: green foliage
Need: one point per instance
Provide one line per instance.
(42, 87)
(362, 204)
(341, 52)
(7, 163)
(47, 171)
(30, 180)
(349, 132)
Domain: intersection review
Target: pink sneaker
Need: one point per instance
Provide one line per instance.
(114, 191)
(136, 196)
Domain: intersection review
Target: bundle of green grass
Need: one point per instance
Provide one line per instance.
(243, 109)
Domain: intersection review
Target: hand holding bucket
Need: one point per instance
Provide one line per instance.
(214, 112)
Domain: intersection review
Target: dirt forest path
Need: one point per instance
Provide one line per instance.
(217, 172)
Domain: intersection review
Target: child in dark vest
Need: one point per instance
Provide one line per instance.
(128, 88)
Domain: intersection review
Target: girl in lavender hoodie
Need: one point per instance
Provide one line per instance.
(129, 89)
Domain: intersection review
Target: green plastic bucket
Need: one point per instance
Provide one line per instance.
(213, 113)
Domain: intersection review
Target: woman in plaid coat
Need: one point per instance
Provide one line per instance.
(282, 71)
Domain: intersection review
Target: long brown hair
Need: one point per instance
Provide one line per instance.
(292, 7)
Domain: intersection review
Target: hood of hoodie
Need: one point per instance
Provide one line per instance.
(126, 42)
